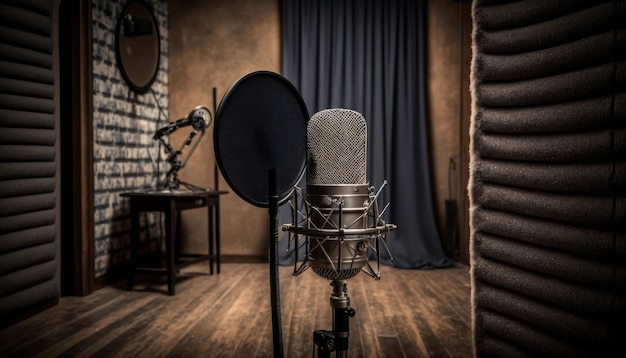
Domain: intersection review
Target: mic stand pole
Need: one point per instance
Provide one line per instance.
(277, 334)
(337, 339)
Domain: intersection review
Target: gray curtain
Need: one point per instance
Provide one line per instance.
(368, 55)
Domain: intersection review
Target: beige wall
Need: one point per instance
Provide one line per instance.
(448, 101)
(443, 99)
(212, 43)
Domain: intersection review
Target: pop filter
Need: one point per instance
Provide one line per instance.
(260, 126)
(260, 148)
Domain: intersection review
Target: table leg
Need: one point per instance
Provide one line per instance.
(170, 236)
(134, 245)
(217, 233)
(211, 217)
(178, 238)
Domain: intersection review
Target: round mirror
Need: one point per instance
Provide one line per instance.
(137, 45)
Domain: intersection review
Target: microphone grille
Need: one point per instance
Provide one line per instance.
(331, 274)
(336, 146)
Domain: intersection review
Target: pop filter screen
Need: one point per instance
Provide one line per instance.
(261, 125)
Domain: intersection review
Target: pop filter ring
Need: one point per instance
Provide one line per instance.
(260, 125)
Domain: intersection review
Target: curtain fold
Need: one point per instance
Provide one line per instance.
(369, 56)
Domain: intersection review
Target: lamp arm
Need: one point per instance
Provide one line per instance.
(193, 148)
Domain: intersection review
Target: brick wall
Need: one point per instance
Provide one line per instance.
(126, 157)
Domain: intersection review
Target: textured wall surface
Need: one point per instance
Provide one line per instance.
(212, 44)
(29, 160)
(444, 100)
(125, 155)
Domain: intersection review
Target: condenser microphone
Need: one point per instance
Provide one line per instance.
(199, 118)
(342, 218)
(338, 192)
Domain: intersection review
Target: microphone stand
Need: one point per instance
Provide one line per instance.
(337, 339)
(277, 333)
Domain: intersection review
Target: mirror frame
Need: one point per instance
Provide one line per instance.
(122, 61)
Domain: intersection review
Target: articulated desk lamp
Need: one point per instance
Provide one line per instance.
(199, 119)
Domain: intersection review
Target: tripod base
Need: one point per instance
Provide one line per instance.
(337, 339)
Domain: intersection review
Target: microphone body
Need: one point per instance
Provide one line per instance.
(338, 193)
(199, 118)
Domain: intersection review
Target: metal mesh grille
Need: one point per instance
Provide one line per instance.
(336, 143)
(331, 274)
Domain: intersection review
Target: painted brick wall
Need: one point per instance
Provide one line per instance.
(126, 157)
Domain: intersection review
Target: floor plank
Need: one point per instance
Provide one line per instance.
(410, 313)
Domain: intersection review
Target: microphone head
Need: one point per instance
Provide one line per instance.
(336, 147)
(337, 187)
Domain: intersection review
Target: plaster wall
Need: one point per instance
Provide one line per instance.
(212, 44)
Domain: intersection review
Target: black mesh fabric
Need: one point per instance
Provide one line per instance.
(261, 125)
(548, 178)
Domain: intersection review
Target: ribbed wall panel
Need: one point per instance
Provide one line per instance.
(22, 16)
(548, 178)
(20, 87)
(27, 103)
(28, 203)
(583, 114)
(28, 163)
(35, 296)
(583, 177)
(13, 223)
(34, 42)
(528, 31)
(27, 278)
(30, 186)
(26, 153)
(575, 238)
(35, 136)
(23, 239)
(15, 261)
(15, 118)
(551, 290)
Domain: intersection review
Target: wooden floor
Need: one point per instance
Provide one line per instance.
(408, 313)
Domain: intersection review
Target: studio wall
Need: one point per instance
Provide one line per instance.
(30, 204)
(124, 153)
(448, 58)
(212, 44)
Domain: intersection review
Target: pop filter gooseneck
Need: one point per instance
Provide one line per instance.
(260, 148)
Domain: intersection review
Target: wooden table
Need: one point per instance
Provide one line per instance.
(171, 203)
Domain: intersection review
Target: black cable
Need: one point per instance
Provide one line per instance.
(158, 167)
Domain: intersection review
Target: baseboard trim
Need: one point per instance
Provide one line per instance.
(120, 272)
